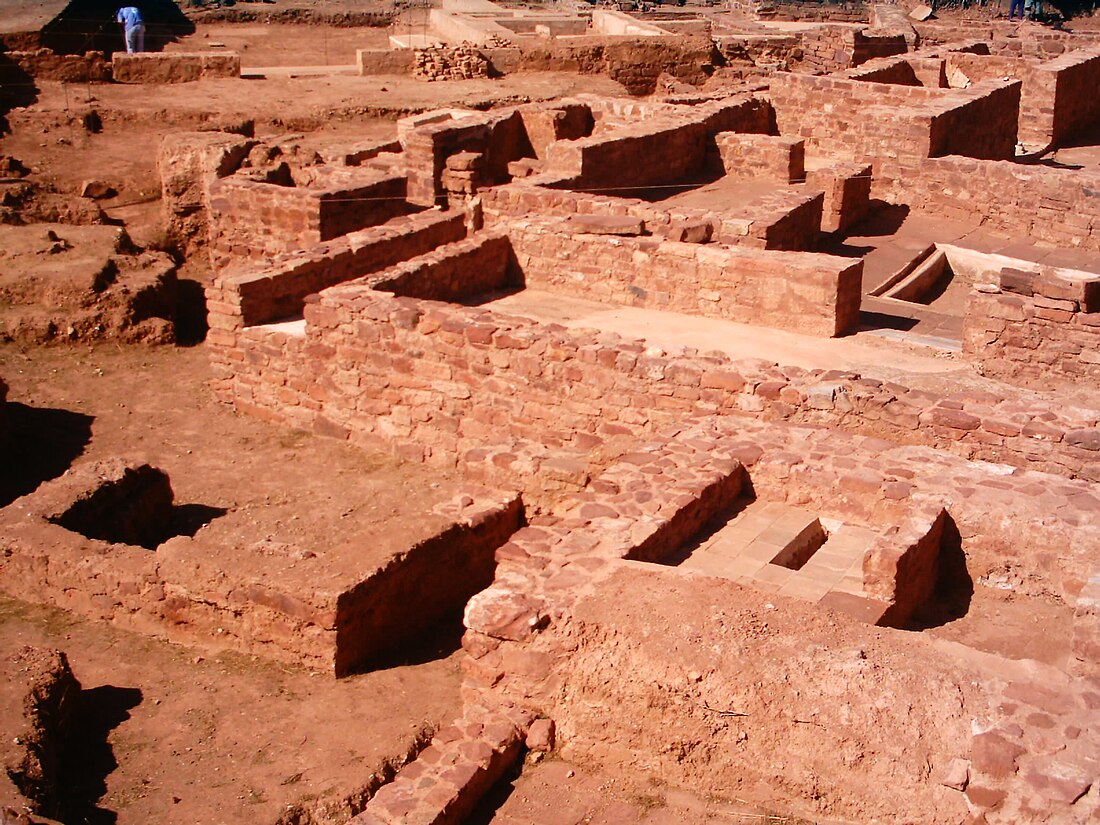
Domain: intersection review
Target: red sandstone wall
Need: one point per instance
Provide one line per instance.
(265, 292)
(451, 379)
(254, 220)
(772, 158)
(651, 152)
(1045, 329)
(1059, 206)
(870, 121)
(814, 294)
(787, 219)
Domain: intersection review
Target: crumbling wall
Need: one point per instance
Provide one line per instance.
(45, 64)
(1038, 329)
(188, 163)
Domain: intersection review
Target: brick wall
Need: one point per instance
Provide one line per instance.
(437, 382)
(814, 294)
(173, 67)
(1038, 329)
(263, 292)
(853, 120)
(788, 218)
(254, 220)
(1059, 206)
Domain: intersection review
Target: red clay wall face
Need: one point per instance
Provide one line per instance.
(815, 294)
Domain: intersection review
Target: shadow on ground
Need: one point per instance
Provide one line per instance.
(88, 757)
(42, 444)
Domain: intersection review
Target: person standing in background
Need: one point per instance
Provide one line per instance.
(130, 17)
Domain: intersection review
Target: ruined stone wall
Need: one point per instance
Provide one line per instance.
(453, 379)
(787, 219)
(45, 64)
(982, 126)
(814, 294)
(456, 272)
(874, 121)
(636, 63)
(648, 153)
(277, 287)
(173, 67)
(847, 188)
(1058, 97)
(1059, 206)
(1038, 329)
(499, 137)
(779, 159)
(253, 220)
(816, 10)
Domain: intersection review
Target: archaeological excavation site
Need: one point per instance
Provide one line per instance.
(549, 413)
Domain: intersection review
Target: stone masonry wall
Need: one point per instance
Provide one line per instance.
(778, 159)
(433, 382)
(872, 121)
(173, 67)
(787, 219)
(254, 220)
(1059, 206)
(647, 153)
(814, 294)
(1038, 329)
(276, 288)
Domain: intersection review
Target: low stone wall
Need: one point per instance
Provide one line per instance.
(785, 219)
(871, 121)
(264, 292)
(331, 618)
(1058, 206)
(44, 64)
(173, 67)
(1038, 329)
(384, 61)
(814, 294)
(578, 389)
(847, 188)
(649, 153)
(778, 159)
(253, 220)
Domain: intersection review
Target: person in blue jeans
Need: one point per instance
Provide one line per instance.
(130, 17)
(1016, 4)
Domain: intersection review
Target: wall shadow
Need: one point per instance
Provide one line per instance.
(950, 599)
(42, 444)
(17, 89)
(188, 519)
(88, 758)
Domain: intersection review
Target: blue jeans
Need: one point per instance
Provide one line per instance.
(1016, 4)
(135, 38)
